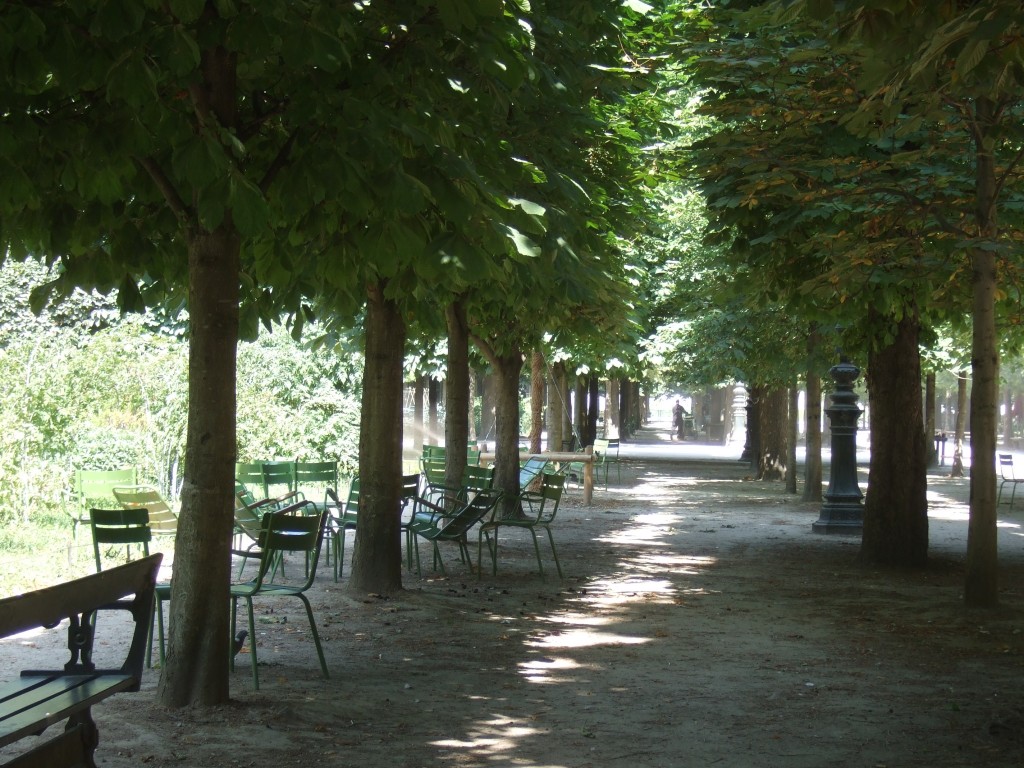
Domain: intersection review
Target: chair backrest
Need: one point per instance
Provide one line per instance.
(530, 469)
(433, 469)
(277, 474)
(601, 448)
(92, 485)
(550, 495)
(352, 503)
(410, 488)
(1006, 466)
(316, 477)
(282, 532)
(459, 520)
(432, 451)
(249, 472)
(613, 447)
(478, 478)
(119, 526)
(162, 519)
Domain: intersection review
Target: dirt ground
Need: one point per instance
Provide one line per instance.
(700, 623)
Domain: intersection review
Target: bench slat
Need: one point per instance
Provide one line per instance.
(51, 700)
(48, 607)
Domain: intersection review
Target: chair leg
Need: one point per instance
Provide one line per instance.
(554, 552)
(438, 558)
(252, 645)
(316, 635)
(536, 549)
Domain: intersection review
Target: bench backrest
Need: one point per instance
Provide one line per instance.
(77, 600)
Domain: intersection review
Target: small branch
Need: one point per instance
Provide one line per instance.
(177, 205)
(485, 348)
(279, 162)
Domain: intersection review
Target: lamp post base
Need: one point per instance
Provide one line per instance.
(840, 518)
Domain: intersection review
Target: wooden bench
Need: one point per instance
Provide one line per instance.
(41, 698)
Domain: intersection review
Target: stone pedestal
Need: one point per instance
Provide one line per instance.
(843, 510)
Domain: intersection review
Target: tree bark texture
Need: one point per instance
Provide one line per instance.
(593, 407)
(792, 432)
(773, 420)
(752, 430)
(196, 669)
(507, 369)
(957, 468)
(625, 405)
(896, 505)
(611, 400)
(456, 393)
(556, 409)
(536, 399)
(981, 584)
(433, 400)
(929, 419)
(812, 462)
(419, 391)
(377, 562)
(487, 406)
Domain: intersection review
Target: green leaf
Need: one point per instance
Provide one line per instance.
(638, 6)
(248, 206)
(187, 11)
(524, 244)
(971, 56)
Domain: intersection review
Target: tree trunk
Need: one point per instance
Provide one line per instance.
(488, 406)
(812, 440)
(896, 504)
(556, 409)
(377, 562)
(579, 411)
(773, 420)
(625, 405)
(792, 436)
(433, 399)
(593, 407)
(1007, 425)
(536, 399)
(981, 585)
(929, 419)
(812, 462)
(611, 399)
(569, 438)
(196, 669)
(417, 412)
(752, 431)
(456, 392)
(957, 469)
(507, 369)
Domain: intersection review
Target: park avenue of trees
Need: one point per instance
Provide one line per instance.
(672, 193)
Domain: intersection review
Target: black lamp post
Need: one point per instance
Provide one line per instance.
(842, 510)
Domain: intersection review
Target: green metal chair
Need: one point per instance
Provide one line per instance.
(281, 533)
(162, 519)
(539, 509)
(313, 478)
(249, 473)
(451, 520)
(530, 470)
(343, 517)
(611, 459)
(278, 475)
(93, 488)
(128, 528)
